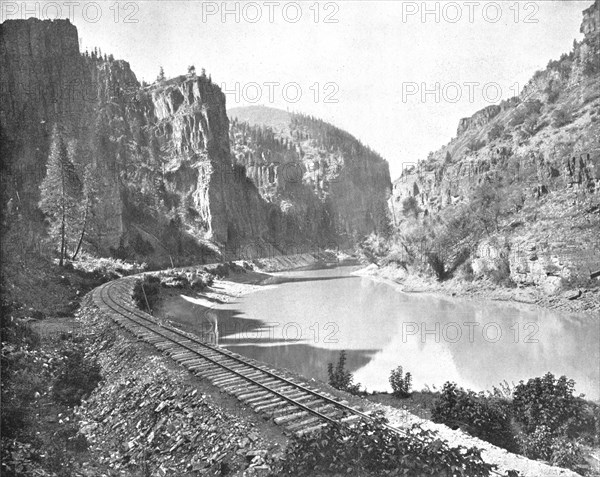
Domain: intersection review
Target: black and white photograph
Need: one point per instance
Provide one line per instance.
(300, 238)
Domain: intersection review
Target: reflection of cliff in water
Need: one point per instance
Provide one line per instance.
(304, 359)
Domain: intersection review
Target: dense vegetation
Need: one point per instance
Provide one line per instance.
(29, 371)
(479, 416)
(370, 449)
(540, 418)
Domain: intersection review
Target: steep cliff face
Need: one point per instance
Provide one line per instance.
(46, 82)
(541, 151)
(161, 153)
(320, 179)
(168, 183)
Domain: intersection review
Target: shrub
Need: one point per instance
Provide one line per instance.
(146, 293)
(560, 117)
(369, 449)
(202, 280)
(496, 132)
(484, 418)
(549, 402)
(341, 379)
(530, 127)
(559, 450)
(141, 246)
(220, 271)
(475, 145)
(501, 274)
(400, 384)
(410, 207)
(525, 110)
(552, 91)
(21, 372)
(21, 380)
(16, 331)
(76, 378)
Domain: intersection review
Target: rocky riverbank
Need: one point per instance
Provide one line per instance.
(582, 300)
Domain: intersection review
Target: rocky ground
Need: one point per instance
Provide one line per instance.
(151, 417)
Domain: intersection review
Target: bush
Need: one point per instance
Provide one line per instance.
(484, 418)
(410, 207)
(559, 450)
(21, 380)
(369, 449)
(146, 293)
(525, 110)
(21, 370)
(548, 402)
(475, 145)
(141, 246)
(551, 418)
(341, 379)
(530, 127)
(202, 280)
(501, 274)
(560, 117)
(552, 91)
(76, 378)
(400, 384)
(495, 132)
(16, 331)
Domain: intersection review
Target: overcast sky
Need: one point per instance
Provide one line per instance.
(361, 65)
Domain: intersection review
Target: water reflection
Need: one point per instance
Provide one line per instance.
(303, 322)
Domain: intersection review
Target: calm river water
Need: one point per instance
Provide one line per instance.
(302, 323)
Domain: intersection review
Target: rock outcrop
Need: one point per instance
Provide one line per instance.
(541, 151)
(321, 179)
(168, 182)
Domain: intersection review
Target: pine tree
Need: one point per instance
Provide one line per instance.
(161, 74)
(60, 193)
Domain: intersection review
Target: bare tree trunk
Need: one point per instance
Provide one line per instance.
(62, 241)
(82, 231)
(62, 225)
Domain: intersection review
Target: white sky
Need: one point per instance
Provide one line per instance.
(370, 55)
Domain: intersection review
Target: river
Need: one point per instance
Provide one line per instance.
(304, 318)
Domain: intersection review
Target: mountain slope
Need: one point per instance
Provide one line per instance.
(529, 168)
(320, 176)
(168, 183)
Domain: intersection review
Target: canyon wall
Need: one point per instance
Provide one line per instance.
(168, 183)
(319, 178)
(541, 152)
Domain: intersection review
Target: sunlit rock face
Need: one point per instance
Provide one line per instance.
(163, 154)
(542, 146)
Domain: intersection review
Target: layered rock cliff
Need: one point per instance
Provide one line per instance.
(168, 181)
(541, 152)
(321, 179)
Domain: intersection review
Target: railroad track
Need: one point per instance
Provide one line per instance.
(297, 406)
(291, 403)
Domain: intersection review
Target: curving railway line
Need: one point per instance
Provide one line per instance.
(291, 403)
